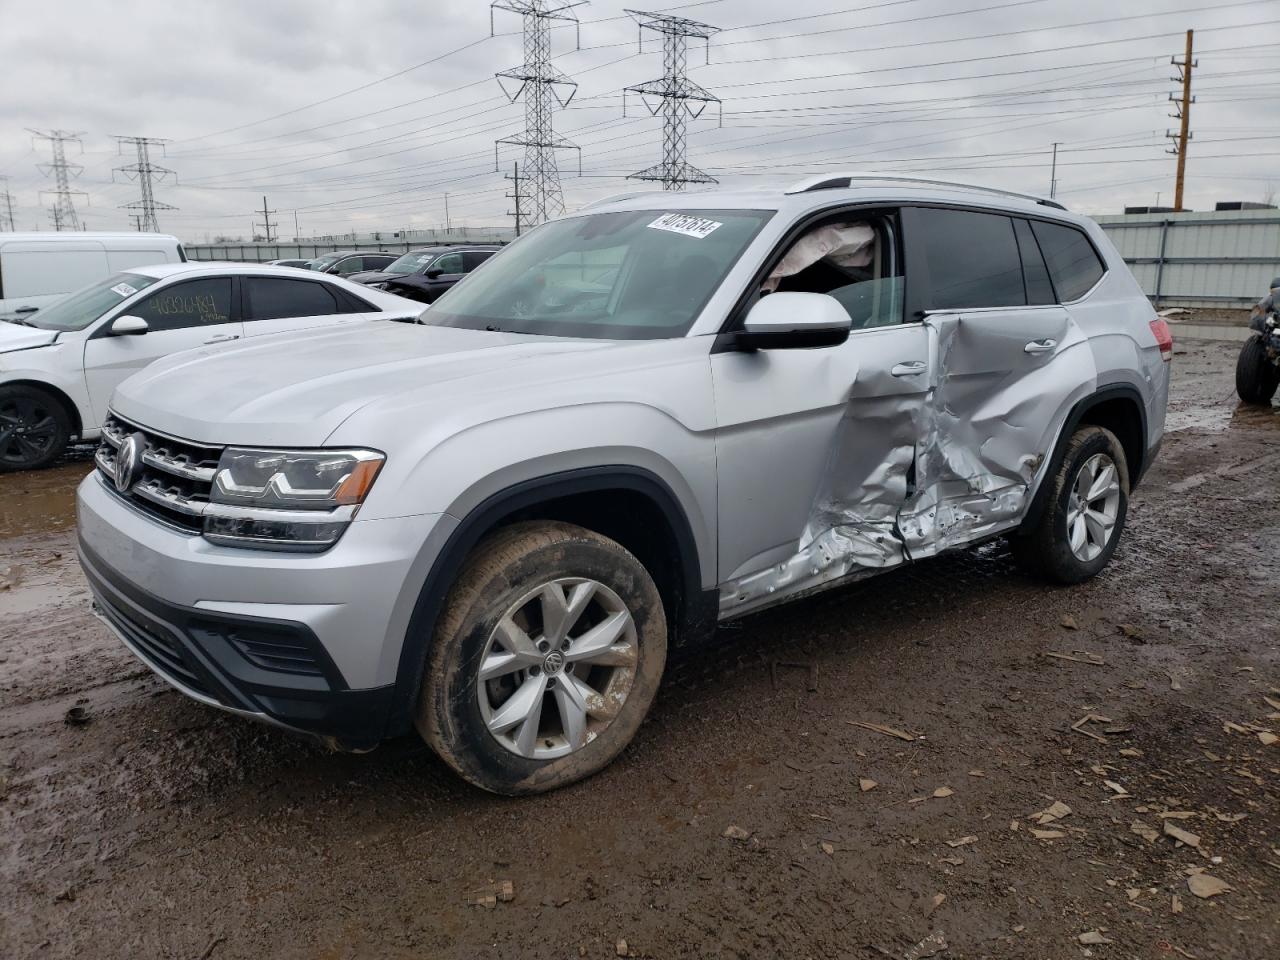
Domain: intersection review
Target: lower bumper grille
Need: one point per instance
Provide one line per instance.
(154, 643)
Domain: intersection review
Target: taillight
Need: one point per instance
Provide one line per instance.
(1164, 338)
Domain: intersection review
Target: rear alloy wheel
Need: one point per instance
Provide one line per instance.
(1082, 522)
(1257, 376)
(545, 660)
(34, 428)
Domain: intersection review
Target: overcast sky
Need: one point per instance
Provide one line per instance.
(361, 116)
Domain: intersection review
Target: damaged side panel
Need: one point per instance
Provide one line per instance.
(945, 431)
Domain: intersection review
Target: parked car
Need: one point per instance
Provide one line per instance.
(59, 366)
(345, 263)
(300, 264)
(658, 413)
(425, 274)
(39, 269)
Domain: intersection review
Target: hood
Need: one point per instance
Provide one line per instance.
(292, 390)
(15, 336)
(371, 276)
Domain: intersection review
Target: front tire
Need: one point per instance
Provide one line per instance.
(34, 428)
(545, 660)
(1088, 502)
(1256, 375)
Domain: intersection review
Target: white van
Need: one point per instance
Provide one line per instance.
(38, 269)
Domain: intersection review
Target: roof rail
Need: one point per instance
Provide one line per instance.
(616, 198)
(840, 181)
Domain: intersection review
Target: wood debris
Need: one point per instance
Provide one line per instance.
(1047, 834)
(881, 728)
(865, 785)
(963, 841)
(1055, 811)
(1205, 886)
(1175, 905)
(1115, 788)
(1093, 938)
(1068, 622)
(1147, 832)
(734, 832)
(1182, 836)
(1078, 726)
(930, 946)
(828, 848)
(1268, 738)
(1078, 656)
(1130, 752)
(942, 792)
(621, 948)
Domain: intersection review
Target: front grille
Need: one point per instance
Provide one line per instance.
(154, 643)
(172, 479)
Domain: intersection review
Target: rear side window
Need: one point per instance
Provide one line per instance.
(1073, 262)
(973, 260)
(449, 263)
(1034, 272)
(474, 259)
(273, 298)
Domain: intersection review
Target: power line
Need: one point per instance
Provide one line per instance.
(63, 212)
(145, 172)
(541, 85)
(676, 94)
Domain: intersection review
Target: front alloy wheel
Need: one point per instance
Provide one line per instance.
(545, 659)
(557, 668)
(33, 428)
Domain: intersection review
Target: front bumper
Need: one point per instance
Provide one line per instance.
(307, 642)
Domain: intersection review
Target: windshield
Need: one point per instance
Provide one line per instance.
(636, 275)
(410, 263)
(86, 305)
(328, 260)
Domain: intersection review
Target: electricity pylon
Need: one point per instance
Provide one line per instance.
(144, 171)
(676, 97)
(63, 211)
(542, 86)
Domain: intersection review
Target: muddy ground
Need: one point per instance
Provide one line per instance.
(165, 829)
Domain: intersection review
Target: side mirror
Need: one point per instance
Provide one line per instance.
(434, 273)
(791, 321)
(127, 326)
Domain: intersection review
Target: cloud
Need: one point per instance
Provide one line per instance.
(975, 92)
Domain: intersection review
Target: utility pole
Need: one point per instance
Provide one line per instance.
(446, 213)
(267, 222)
(542, 85)
(7, 197)
(675, 95)
(145, 172)
(518, 212)
(1053, 172)
(1182, 111)
(63, 211)
(297, 231)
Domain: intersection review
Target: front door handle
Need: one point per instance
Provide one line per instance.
(1040, 346)
(226, 338)
(908, 368)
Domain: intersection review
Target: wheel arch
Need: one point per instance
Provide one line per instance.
(629, 504)
(69, 405)
(1120, 409)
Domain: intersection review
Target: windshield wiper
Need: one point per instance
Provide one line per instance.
(19, 321)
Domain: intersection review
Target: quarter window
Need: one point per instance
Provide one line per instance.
(1073, 262)
(973, 260)
(192, 303)
(273, 298)
(1034, 272)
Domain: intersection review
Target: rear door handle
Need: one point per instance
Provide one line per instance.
(908, 368)
(1040, 346)
(223, 339)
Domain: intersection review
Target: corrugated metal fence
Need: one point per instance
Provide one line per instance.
(262, 252)
(1220, 259)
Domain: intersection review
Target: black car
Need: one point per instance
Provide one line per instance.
(426, 273)
(347, 262)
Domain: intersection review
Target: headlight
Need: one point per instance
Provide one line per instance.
(299, 500)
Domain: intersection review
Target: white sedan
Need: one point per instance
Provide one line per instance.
(59, 366)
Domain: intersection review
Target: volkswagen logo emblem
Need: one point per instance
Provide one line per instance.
(128, 460)
(554, 662)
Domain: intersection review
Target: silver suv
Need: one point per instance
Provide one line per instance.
(664, 411)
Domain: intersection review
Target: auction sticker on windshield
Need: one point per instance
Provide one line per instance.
(124, 290)
(686, 225)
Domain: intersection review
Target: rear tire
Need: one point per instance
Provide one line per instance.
(1088, 502)
(569, 632)
(34, 428)
(1256, 375)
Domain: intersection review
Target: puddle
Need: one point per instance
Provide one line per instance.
(40, 501)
